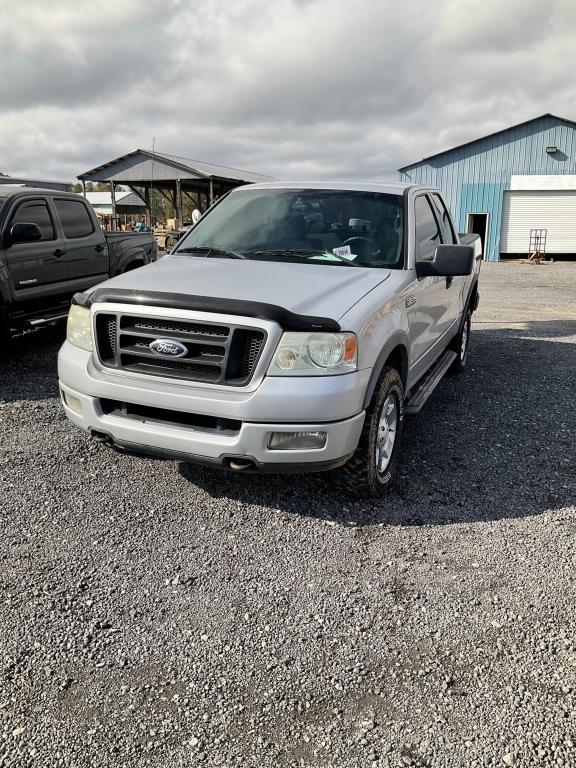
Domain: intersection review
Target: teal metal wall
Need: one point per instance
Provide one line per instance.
(474, 177)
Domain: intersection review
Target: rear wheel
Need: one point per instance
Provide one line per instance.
(461, 344)
(370, 471)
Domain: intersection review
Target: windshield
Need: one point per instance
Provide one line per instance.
(318, 226)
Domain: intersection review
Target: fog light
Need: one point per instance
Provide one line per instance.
(72, 402)
(296, 441)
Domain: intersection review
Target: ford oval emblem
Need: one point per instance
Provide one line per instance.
(168, 348)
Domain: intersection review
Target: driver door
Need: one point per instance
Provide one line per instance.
(429, 316)
(38, 268)
(455, 285)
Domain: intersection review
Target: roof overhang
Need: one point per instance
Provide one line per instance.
(144, 167)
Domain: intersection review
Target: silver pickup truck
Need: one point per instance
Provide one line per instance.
(291, 330)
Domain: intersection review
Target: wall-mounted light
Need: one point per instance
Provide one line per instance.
(551, 150)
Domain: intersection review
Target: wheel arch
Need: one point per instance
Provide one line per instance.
(394, 355)
(472, 302)
(134, 264)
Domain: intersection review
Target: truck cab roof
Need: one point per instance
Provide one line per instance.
(385, 187)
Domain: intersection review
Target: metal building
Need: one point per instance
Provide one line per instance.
(516, 188)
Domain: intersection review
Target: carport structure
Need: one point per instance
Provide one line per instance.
(174, 177)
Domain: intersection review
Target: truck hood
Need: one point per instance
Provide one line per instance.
(306, 289)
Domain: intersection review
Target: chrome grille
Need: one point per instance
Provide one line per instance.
(216, 353)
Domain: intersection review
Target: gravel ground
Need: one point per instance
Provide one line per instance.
(153, 614)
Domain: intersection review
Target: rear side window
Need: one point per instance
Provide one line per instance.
(448, 235)
(427, 232)
(35, 212)
(74, 217)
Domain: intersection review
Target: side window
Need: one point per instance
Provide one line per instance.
(74, 217)
(448, 234)
(427, 233)
(35, 212)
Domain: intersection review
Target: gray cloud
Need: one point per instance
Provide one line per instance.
(295, 88)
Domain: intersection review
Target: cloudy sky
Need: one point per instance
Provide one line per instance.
(293, 88)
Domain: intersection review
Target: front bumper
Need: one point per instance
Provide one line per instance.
(331, 404)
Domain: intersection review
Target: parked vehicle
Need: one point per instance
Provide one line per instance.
(291, 330)
(51, 246)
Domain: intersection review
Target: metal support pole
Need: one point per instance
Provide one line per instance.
(147, 201)
(113, 193)
(211, 191)
(179, 204)
(84, 187)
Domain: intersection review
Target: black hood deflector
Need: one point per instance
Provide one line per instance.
(289, 321)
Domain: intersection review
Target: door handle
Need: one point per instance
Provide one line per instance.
(99, 248)
(59, 252)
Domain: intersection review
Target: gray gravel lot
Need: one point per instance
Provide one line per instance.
(153, 614)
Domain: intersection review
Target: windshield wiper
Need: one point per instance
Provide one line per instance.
(310, 252)
(208, 250)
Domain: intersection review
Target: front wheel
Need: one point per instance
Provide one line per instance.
(370, 471)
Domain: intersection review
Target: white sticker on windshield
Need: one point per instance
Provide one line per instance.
(344, 250)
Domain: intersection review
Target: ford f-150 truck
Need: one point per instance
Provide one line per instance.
(291, 330)
(51, 246)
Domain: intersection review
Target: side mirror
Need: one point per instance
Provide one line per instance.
(448, 261)
(24, 233)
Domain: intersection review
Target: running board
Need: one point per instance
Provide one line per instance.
(48, 319)
(418, 398)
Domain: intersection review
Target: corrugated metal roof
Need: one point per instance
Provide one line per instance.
(61, 186)
(124, 168)
(488, 136)
(122, 198)
(213, 170)
(7, 189)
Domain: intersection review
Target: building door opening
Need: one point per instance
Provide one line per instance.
(478, 224)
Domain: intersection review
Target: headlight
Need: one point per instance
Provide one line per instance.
(314, 354)
(79, 330)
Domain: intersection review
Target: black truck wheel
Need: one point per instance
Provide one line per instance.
(370, 471)
(461, 344)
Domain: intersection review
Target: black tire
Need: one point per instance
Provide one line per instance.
(360, 475)
(461, 344)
